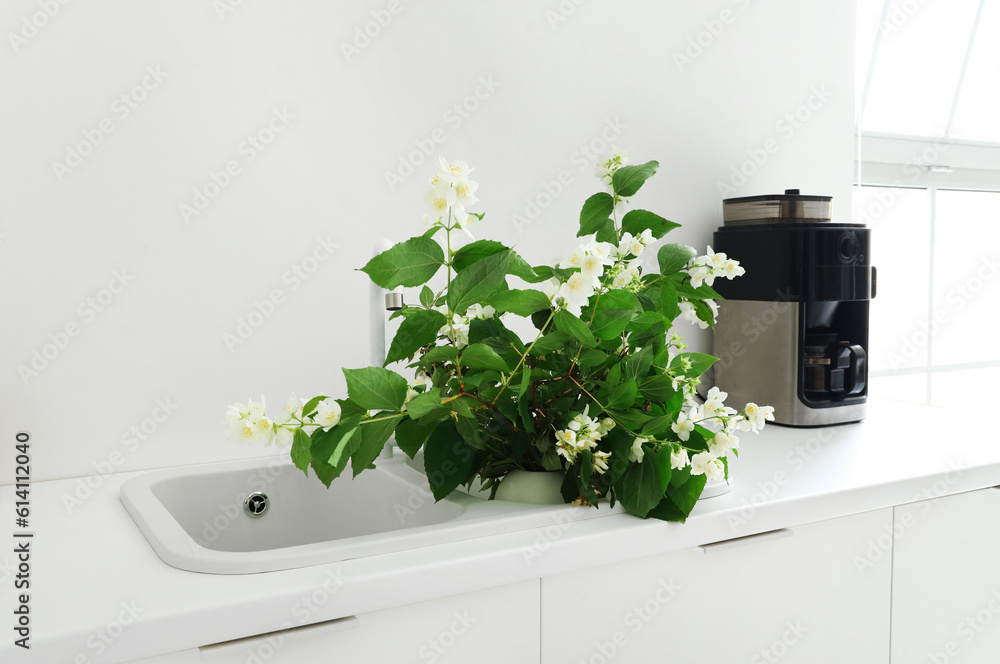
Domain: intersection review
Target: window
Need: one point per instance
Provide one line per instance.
(928, 184)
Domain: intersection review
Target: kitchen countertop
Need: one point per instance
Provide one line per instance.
(89, 567)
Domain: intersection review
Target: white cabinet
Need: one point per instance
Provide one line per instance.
(946, 580)
(498, 626)
(795, 595)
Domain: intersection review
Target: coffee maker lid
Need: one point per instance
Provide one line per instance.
(773, 208)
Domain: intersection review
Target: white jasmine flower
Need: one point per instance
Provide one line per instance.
(716, 261)
(480, 312)
(284, 437)
(756, 415)
(646, 237)
(327, 414)
(679, 459)
(722, 443)
(244, 430)
(700, 274)
(624, 245)
(255, 409)
(457, 331)
(603, 250)
(550, 288)
(454, 171)
(713, 401)
(600, 461)
(236, 414)
(592, 268)
(264, 429)
(575, 259)
(609, 163)
(576, 292)
(606, 425)
(683, 426)
(636, 454)
(690, 314)
(464, 192)
(714, 306)
(704, 463)
(291, 408)
(439, 198)
(637, 246)
(732, 269)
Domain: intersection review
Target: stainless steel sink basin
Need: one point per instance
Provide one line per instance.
(264, 515)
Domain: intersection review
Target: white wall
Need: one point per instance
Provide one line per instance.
(557, 86)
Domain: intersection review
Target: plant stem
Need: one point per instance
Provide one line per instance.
(527, 350)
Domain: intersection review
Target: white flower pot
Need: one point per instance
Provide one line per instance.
(536, 487)
(717, 487)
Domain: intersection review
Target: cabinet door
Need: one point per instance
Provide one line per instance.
(500, 625)
(796, 595)
(946, 580)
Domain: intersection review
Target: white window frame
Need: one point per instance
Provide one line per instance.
(932, 165)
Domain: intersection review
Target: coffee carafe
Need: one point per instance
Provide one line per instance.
(793, 331)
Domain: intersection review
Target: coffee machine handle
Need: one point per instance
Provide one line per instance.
(857, 370)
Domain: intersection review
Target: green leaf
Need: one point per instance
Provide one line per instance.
(631, 419)
(440, 354)
(607, 233)
(310, 406)
(700, 363)
(479, 281)
(448, 459)
(669, 305)
(622, 395)
(481, 356)
(658, 389)
(628, 179)
(575, 328)
(552, 341)
(686, 495)
(416, 331)
(614, 311)
(704, 312)
(425, 403)
(409, 263)
(673, 257)
(682, 283)
(637, 365)
(525, 381)
(662, 458)
(474, 252)
(301, 452)
(636, 221)
(373, 437)
(645, 320)
(639, 487)
(411, 434)
(426, 297)
(520, 302)
(375, 388)
(595, 213)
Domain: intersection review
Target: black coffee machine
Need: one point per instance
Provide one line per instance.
(793, 331)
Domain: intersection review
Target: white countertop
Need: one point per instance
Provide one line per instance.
(88, 565)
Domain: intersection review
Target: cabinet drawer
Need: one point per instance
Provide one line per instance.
(946, 580)
(794, 595)
(497, 625)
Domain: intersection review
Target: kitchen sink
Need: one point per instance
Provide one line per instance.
(264, 515)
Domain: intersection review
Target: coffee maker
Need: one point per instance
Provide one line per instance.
(793, 331)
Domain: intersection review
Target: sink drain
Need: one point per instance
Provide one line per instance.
(256, 504)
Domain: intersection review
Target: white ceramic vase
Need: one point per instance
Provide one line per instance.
(536, 487)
